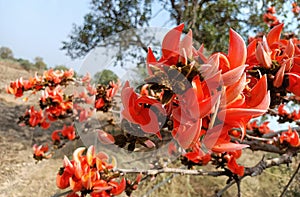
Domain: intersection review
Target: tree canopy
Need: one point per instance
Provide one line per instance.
(209, 20)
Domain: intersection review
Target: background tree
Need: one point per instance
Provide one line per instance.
(209, 20)
(104, 77)
(105, 19)
(6, 53)
(39, 63)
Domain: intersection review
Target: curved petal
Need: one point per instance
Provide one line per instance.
(274, 35)
(186, 44)
(77, 154)
(294, 83)
(188, 133)
(150, 60)
(237, 51)
(262, 56)
(232, 76)
(279, 76)
(258, 92)
(120, 188)
(170, 44)
(228, 147)
(233, 91)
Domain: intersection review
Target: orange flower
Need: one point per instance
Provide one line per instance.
(290, 136)
(139, 110)
(39, 152)
(55, 136)
(234, 167)
(69, 132)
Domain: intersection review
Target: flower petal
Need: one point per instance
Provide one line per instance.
(237, 51)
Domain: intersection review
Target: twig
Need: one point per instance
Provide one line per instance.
(258, 138)
(258, 145)
(154, 172)
(260, 167)
(219, 194)
(274, 134)
(62, 194)
(160, 184)
(290, 181)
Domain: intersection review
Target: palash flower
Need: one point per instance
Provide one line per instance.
(284, 52)
(247, 105)
(291, 137)
(173, 50)
(217, 140)
(82, 174)
(37, 118)
(234, 167)
(39, 152)
(231, 65)
(195, 104)
(139, 110)
(69, 132)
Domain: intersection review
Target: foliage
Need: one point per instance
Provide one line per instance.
(6, 53)
(106, 19)
(26, 64)
(104, 77)
(209, 21)
(39, 63)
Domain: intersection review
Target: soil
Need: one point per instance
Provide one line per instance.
(20, 175)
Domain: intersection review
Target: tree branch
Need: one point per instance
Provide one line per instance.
(290, 181)
(166, 170)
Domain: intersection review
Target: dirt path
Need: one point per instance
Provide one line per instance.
(19, 174)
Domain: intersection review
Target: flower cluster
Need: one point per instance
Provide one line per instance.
(203, 102)
(269, 18)
(67, 132)
(259, 130)
(92, 174)
(34, 118)
(104, 96)
(291, 137)
(285, 116)
(279, 59)
(50, 78)
(41, 152)
(296, 8)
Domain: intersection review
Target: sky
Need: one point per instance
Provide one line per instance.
(32, 28)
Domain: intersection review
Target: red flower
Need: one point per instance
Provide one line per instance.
(118, 188)
(294, 83)
(234, 167)
(138, 110)
(249, 104)
(39, 152)
(55, 135)
(69, 132)
(35, 117)
(290, 136)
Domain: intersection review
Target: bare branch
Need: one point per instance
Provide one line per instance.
(154, 172)
(290, 181)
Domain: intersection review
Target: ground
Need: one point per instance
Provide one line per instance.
(21, 176)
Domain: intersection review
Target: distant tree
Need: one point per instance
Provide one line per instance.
(106, 19)
(210, 21)
(26, 64)
(39, 63)
(6, 53)
(104, 77)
